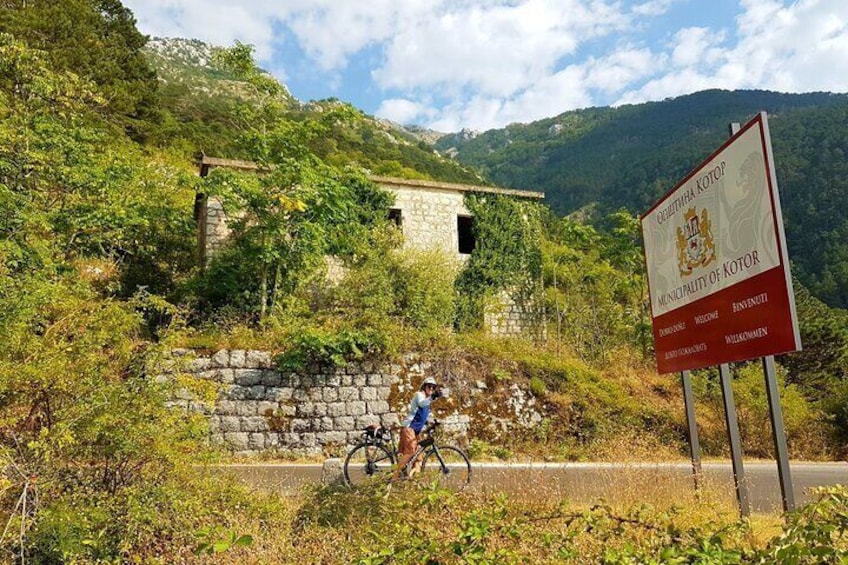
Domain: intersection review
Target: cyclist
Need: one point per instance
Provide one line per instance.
(419, 411)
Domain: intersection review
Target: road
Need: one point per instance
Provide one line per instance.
(627, 483)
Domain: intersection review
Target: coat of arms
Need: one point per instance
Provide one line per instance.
(695, 246)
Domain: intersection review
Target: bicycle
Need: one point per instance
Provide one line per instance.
(376, 456)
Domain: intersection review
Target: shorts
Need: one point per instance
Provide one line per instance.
(408, 441)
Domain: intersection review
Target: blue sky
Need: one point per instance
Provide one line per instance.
(480, 64)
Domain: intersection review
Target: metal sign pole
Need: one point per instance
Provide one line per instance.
(694, 443)
(735, 442)
(732, 422)
(776, 414)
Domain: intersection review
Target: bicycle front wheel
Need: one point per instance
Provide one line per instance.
(367, 462)
(446, 466)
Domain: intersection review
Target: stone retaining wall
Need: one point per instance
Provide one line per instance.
(319, 410)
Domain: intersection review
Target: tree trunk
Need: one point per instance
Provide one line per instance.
(278, 276)
(263, 292)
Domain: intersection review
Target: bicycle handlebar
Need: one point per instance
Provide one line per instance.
(433, 425)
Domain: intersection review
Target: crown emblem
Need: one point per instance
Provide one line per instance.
(695, 245)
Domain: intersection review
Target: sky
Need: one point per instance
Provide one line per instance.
(482, 64)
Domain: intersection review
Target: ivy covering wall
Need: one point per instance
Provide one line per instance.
(507, 257)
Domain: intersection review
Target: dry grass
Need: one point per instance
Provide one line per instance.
(410, 526)
(539, 524)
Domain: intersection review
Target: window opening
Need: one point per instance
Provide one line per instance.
(396, 217)
(464, 225)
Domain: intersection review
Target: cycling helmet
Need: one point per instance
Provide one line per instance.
(429, 381)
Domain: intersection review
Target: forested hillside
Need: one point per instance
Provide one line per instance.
(631, 155)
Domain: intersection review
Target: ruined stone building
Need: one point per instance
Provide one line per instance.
(431, 215)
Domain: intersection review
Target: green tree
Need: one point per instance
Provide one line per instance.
(297, 208)
(86, 435)
(594, 287)
(72, 187)
(97, 40)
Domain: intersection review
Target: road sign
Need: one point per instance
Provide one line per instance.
(718, 270)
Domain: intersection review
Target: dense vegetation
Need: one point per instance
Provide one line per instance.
(496, 530)
(631, 155)
(98, 278)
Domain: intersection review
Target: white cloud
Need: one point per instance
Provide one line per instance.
(403, 111)
(696, 45)
(671, 84)
(548, 97)
(219, 22)
(798, 47)
(615, 72)
(486, 63)
(496, 51)
(653, 7)
(472, 113)
(330, 30)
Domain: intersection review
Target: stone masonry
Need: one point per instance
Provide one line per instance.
(319, 410)
(213, 230)
(429, 210)
(428, 215)
(324, 410)
(507, 317)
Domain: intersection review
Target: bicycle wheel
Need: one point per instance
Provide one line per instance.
(366, 462)
(446, 466)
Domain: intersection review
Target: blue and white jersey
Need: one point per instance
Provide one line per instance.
(419, 411)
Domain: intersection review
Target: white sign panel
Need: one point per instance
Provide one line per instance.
(715, 252)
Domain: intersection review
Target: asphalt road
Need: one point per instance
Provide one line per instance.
(628, 483)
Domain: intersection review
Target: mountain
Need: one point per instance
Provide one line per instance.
(204, 100)
(629, 156)
(189, 62)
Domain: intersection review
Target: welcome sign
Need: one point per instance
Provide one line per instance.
(715, 251)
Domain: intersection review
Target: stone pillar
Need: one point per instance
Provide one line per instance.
(332, 472)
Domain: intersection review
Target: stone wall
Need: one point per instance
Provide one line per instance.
(508, 317)
(429, 217)
(428, 220)
(212, 229)
(318, 410)
(323, 410)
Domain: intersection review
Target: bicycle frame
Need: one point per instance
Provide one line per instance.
(420, 451)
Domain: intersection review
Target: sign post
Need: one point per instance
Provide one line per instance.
(732, 422)
(718, 274)
(779, 435)
(734, 438)
(692, 424)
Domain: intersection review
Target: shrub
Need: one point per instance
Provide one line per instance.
(330, 347)
(189, 511)
(749, 392)
(413, 288)
(538, 386)
(424, 288)
(105, 464)
(478, 448)
(815, 533)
